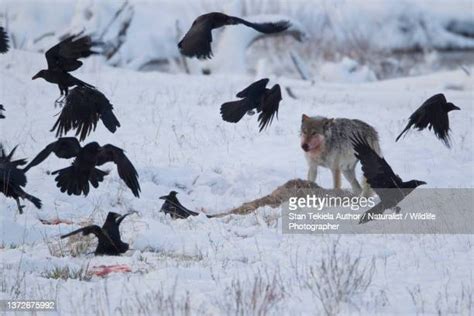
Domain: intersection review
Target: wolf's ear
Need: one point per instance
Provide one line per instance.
(304, 117)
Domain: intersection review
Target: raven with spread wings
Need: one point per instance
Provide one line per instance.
(3, 41)
(74, 180)
(256, 96)
(13, 179)
(390, 188)
(64, 58)
(433, 113)
(197, 41)
(83, 107)
(108, 235)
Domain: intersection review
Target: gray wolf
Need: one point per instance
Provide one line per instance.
(326, 142)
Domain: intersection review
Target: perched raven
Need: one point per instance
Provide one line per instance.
(173, 207)
(197, 41)
(75, 179)
(256, 96)
(13, 179)
(3, 41)
(1, 114)
(389, 187)
(433, 113)
(83, 108)
(64, 58)
(108, 235)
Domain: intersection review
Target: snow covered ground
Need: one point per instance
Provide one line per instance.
(173, 133)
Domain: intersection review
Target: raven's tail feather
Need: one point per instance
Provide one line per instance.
(74, 182)
(234, 111)
(267, 28)
(403, 132)
(110, 120)
(36, 202)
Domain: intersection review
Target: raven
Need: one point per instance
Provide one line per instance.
(389, 187)
(64, 58)
(1, 114)
(256, 96)
(197, 41)
(433, 113)
(109, 235)
(173, 207)
(75, 179)
(3, 41)
(12, 179)
(83, 108)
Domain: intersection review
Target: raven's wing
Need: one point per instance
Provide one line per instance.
(66, 148)
(126, 170)
(121, 218)
(267, 28)
(92, 229)
(197, 41)
(376, 170)
(64, 55)
(269, 107)
(82, 110)
(3, 41)
(254, 90)
(440, 123)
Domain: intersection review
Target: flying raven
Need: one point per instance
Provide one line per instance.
(173, 207)
(83, 108)
(197, 41)
(256, 96)
(64, 58)
(75, 179)
(433, 113)
(1, 114)
(12, 179)
(389, 187)
(3, 41)
(109, 235)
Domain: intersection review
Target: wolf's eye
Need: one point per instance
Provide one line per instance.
(314, 133)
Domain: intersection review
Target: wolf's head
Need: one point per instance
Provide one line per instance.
(313, 133)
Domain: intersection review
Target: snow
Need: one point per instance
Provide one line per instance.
(341, 26)
(172, 132)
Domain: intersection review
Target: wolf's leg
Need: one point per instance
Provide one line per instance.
(336, 178)
(312, 172)
(349, 174)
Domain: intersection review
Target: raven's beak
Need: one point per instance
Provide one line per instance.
(164, 197)
(456, 107)
(35, 77)
(421, 182)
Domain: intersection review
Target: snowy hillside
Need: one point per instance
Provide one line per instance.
(173, 133)
(367, 31)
